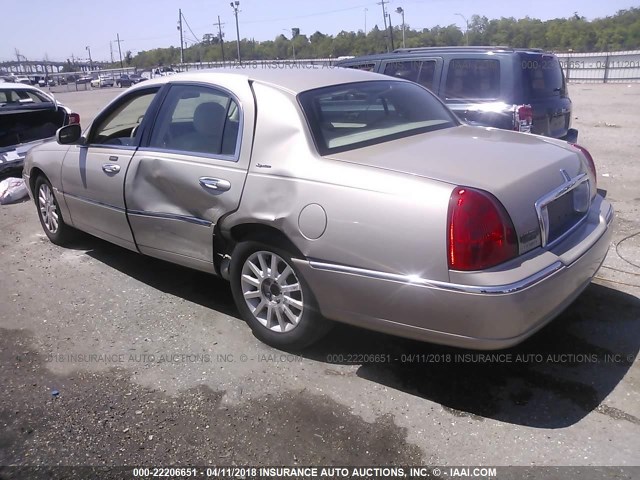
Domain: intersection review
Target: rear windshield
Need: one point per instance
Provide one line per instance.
(473, 79)
(354, 115)
(11, 98)
(542, 76)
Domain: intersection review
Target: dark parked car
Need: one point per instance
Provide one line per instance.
(513, 89)
(28, 117)
(128, 80)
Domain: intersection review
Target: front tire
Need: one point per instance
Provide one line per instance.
(49, 213)
(273, 298)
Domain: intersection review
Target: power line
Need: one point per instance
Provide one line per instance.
(187, 23)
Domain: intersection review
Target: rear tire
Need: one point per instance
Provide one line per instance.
(273, 298)
(49, 213)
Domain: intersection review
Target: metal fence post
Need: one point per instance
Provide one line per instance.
(606, 68)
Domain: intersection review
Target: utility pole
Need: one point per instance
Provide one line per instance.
(111, 49)
(365, 20)
(294, 33)
(181, 41)
(120, 50)
(90, 61)
(384, 16)
(400, 10)
(235, 5)
(220, 38)
(391, 32)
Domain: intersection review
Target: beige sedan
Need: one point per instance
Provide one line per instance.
(334, 195)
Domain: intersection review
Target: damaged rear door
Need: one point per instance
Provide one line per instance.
(191, 171)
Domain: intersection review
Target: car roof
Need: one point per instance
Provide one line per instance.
(294, 78)
(21, 86)
(444, 50)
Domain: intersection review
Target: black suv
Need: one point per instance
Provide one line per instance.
(515, 89)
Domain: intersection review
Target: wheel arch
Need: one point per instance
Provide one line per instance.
(225, 244)
(34, 174)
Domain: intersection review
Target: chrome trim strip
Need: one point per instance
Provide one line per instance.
(94, 202)
(172, 216)
(609, 216)
(541, 204)
(453, 287)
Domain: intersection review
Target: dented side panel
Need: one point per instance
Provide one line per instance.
(171, 209)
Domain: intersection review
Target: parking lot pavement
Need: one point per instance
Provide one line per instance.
(97, 342)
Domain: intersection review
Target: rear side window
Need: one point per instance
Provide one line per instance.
(367, 67)
(349, 116)
(542, 76)
(473, 79)
(421, 72)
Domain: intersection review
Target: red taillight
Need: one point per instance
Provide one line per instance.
(74, 118)
(523, 118)
(480, 233)
(590, 163)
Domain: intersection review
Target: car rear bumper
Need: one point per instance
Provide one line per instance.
(482, 315)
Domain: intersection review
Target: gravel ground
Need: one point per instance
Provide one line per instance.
(111, 358)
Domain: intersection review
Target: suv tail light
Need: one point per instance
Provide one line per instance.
(590, 163)
(74, 118)
(480, 232)
(523, 118)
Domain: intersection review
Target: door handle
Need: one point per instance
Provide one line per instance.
(110, 168)
(215, 184)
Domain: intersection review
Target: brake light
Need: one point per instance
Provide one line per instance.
(591, 165)
(480, 232)
(74, 118)
(523, 118)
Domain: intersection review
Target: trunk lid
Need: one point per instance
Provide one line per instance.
(518, 169)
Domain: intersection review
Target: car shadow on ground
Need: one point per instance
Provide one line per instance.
(552, 380)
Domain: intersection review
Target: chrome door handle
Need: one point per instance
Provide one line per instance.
(110, 168)
(215, 184)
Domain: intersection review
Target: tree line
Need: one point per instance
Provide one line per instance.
(618, 32)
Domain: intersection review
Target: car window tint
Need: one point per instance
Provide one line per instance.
(542, 76)
(421, 72)
(197, 119)
(119, 126)
(367, 67)
(473, 78)
(345, 117)
(408, 70)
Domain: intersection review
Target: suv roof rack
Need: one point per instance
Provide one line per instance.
(464, 47)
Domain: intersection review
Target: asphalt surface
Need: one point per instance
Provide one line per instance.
(111, 358)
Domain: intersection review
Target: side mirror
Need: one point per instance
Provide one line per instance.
(69, 134)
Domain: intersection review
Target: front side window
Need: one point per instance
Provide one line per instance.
(197, 119)
(354, 115)
(473, 79)
(120, 125)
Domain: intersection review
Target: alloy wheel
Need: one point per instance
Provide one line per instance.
(48, 208)
(272, 291)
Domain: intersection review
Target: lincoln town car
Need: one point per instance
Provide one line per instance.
(334, 195)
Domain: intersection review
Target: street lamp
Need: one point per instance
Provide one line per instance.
(400, 10)
(466, 32)
(293, 36)
(235, 5)
(90, 61)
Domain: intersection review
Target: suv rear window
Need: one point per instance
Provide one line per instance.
(542, 76)
(473, 78)
(349, 116)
